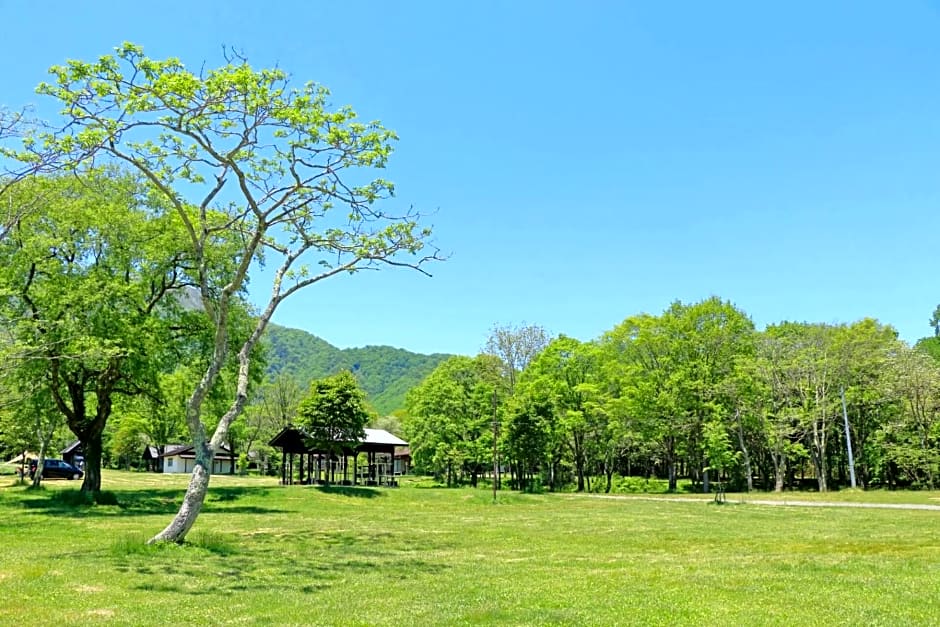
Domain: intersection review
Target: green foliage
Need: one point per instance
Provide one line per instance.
(451, 415)
(89, 284)
(930, 346)
(385, 373)
(334, 414)
(256, 171)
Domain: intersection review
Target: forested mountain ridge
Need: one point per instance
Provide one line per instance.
(385, 373)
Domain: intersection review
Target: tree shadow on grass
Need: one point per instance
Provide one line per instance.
(143, 502)
(329, 559)
(354, 491)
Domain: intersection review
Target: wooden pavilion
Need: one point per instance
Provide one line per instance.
(304, 463)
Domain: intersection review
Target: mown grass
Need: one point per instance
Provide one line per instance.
(266, 554)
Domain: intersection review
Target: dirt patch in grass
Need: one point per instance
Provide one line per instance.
(102, 612)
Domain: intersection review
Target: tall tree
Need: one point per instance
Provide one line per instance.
(451, 416)
(333, 413)
(563, 375)
(767, 394)
(90, 282)
(238, 150)
(677, 372)
(911, 438)
(864, 350)
(810, 375)
(528, 436)
(516, 346)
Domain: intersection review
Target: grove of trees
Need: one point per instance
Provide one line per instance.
(695, 392)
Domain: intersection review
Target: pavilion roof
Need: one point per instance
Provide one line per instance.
(294, 440)
(381, 436)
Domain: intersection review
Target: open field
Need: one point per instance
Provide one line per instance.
(265, 554)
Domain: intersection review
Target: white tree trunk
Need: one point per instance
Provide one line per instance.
(205, 448)
(192, 502)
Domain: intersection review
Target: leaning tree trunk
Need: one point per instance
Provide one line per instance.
(192, 502)
(40, 464)
(204, 447)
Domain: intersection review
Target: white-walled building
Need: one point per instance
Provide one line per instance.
(181, 458)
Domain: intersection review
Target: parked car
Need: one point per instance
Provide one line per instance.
(56, 469)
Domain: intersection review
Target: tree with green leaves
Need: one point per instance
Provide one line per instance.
(563, 375)
(89, 285)
(235, 150)
(29, 419)
(719, 453)
(129, 437)
(910, 437)
(450, 421)
(527, 435)
(645, 359)
(675, 372)
(766, 396)
(865, 349)
(333, 414)
(515, 346)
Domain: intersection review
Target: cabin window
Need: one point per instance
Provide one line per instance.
(169, 463)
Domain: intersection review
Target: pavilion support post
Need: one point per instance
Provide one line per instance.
(355, 467)
(301, 469)
(283, 467)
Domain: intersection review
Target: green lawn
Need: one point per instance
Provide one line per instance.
(265, 554)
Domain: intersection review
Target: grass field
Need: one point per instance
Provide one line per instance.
(265, 554)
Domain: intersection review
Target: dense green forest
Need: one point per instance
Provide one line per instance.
(385, 373)
(697, 393)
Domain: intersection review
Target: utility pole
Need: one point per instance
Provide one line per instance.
(848, 439)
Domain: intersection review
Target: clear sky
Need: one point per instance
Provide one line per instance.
(591, 160)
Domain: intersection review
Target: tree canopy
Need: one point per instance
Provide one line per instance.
(236, 155)
(333, 414)
(696, 392)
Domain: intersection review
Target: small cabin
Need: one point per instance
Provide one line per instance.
(181, 459)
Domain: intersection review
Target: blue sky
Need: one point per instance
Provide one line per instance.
(589, 161)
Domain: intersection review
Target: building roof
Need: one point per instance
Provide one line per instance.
(381, 436)
(295, 440)
(183, 450)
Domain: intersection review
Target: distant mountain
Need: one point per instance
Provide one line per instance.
(385, 373)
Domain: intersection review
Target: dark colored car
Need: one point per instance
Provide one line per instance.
(56, 469)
